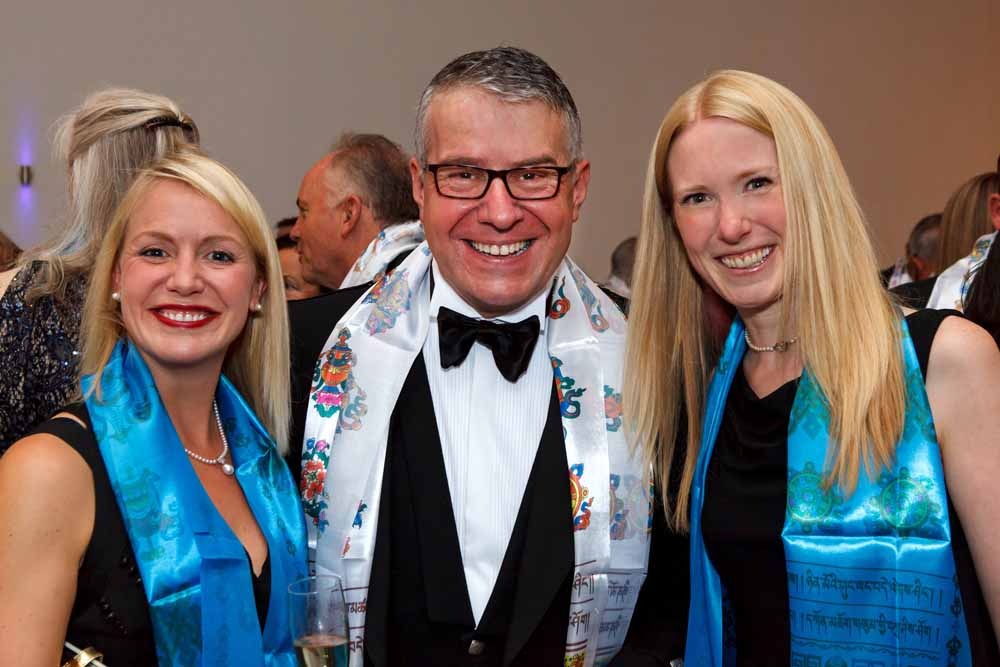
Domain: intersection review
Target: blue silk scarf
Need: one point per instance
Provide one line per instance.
(871, 577)
(195, 571)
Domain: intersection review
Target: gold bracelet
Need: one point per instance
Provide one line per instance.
(84, 657)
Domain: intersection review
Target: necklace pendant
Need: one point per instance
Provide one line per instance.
(228, 469)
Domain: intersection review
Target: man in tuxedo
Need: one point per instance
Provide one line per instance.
(454, 400)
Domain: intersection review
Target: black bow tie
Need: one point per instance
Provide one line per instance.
(512, 342)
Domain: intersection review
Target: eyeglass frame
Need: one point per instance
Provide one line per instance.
(492, 174)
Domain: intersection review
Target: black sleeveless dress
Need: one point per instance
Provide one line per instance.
(744, 511)
(111, 612)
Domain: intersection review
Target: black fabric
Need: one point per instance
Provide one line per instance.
(39, 343)
(658, 629)
(745, 498)
(110, 611)
(511, 342)
(418, 610)
(915, 294)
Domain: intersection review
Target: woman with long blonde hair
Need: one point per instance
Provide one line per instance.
(833, 469)
(114, 134)
(157, 517)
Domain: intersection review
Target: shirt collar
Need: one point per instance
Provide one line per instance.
(445, 295)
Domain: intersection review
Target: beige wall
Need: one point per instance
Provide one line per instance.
(907, 88)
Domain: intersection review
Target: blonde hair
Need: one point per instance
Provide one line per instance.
(966, 217)
(257, 362)
(112, 136)
(833, 302)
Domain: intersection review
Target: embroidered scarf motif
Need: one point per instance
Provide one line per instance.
(195, 572)
(871, 577)
(389, 244)
(357, 381)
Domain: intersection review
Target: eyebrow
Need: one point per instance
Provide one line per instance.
(162, 236)
(537, 161)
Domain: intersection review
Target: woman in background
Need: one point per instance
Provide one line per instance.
(824, 430)
(967, 223)
(983, 302)
(156, 520)
(296, 287)
(112, 136)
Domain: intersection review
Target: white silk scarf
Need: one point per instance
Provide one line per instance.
(389, 244)
(357, 382)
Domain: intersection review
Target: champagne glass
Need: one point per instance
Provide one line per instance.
(318, 617)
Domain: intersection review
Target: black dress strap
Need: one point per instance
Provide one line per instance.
(110, 612)
(923, 325)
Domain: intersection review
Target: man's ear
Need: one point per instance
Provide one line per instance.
(993, 205)
(580, 186)
(348, 215)
(417, 182)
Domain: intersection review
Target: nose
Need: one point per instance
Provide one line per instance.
(186, 277)
(497, 208)
(294, 233)
(734, 223)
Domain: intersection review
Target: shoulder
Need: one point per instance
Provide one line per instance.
(963, 369)
(962, 346)
(324, 309)
(47, 460)
(312, 320)
(43, 479)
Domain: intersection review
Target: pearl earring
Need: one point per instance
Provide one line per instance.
(257, 308)
(116, 296)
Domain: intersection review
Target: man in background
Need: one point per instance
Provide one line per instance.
(356, 212)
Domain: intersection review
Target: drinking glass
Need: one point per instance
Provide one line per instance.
(318, 617)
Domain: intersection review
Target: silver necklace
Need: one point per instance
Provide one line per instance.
(227, 468)
(777, 347)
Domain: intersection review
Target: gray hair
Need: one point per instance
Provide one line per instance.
(514, 76)
(380, 169)
(106, 142)
(924, 237)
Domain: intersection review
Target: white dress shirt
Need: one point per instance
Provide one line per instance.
(490, 430)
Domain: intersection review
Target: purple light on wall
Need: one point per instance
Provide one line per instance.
(26, 213)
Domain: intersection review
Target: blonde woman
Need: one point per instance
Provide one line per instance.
(837, 475)
(156, 520)
(105, 142)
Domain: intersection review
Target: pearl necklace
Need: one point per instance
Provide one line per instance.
(227, 468)
(777, 347)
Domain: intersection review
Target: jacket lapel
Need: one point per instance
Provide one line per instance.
(440, 554)
(548, 550)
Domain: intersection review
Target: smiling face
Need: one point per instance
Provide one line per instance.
(497, 252)
(187, 278)
(728, 206)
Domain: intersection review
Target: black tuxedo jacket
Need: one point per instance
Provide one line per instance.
(418, 610)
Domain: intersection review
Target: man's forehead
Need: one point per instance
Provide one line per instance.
(473, 125)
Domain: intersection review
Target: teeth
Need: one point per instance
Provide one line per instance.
(501, 250)
(184, 315)
(747, 261)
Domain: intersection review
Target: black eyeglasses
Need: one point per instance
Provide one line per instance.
(458, 181)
